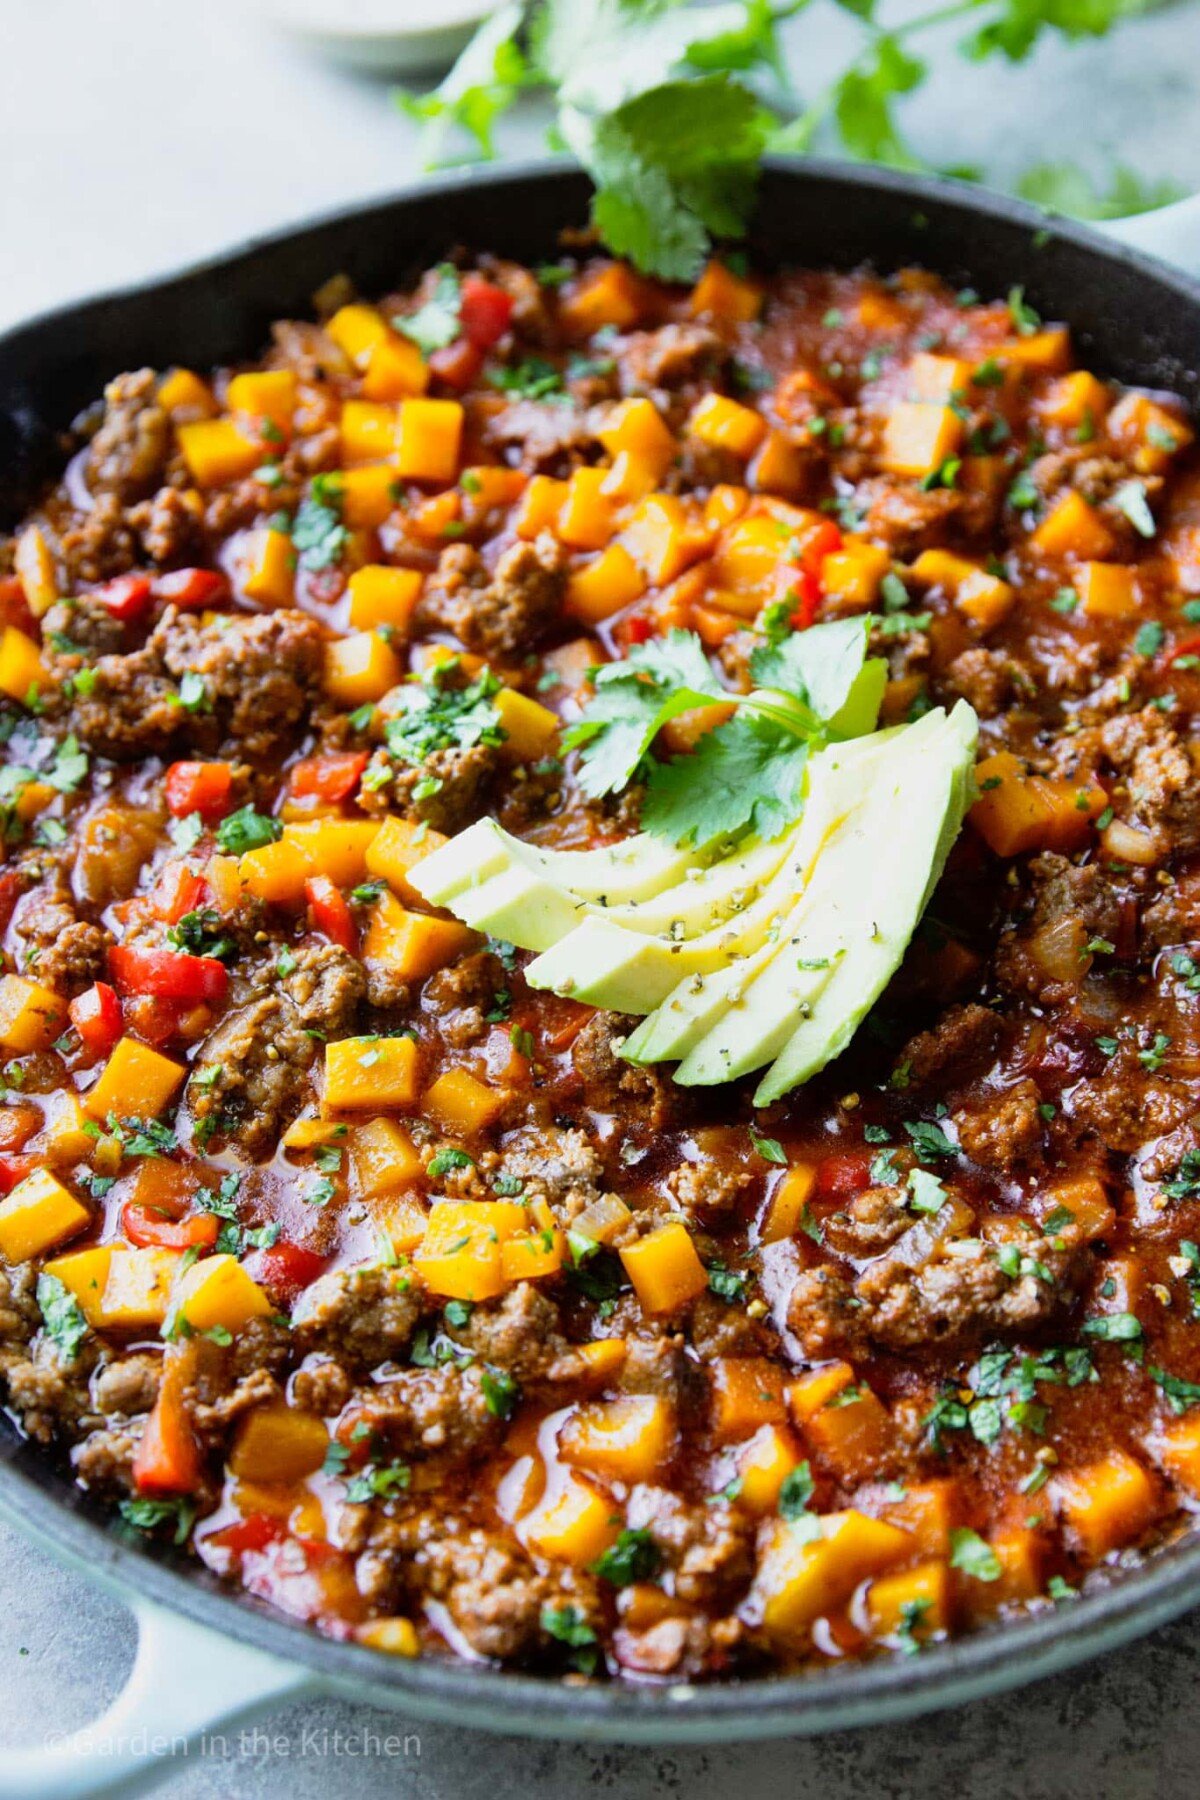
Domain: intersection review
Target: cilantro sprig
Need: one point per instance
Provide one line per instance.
(663, 103)
(747, 773)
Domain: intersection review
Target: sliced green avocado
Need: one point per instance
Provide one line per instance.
(519, 907)
(637, 868)
(909, 864)
(608, 965)
(836, 784)
(854, 918)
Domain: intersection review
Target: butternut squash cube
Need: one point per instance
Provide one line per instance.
(275, 873)
(638, 428)
(937, 378)
(1021, 1555)
(919, 1599)
(397, 848)
(533, 1255)
(1017, 811)
(778, 467)
(540, 506)
(610, 295)
(1048, 350)
(39, 1213)
(459, 1256)
(462, 1103)
(1073, 528)
(35, 571)
(84, 1274)
(364, 1073)
(530, 729)
(852, 576)
(603, 1359)
(265, 394)
(662, 538)
(357, 330)
(664, 1268)
(137, 1292)
(395, 370)
(369, 494)
(369, 431)
(394, 1637)
(271, 569)
(784, 1210)
(850, 1429)
(403, 1220)
(1151, 434)
(604, 586)
(1108, 590)
(985, 598)
(1074, 400)
(334, 847)
(136, 1082)
(183, 391)
(218, 451)
(586, 519)
(728, 425)
(628, 1439)
(720, 294)
(575, 1524)
(1179, 1452)
(383, 1158)
(22, 671)
(278, 1442)
(216, 1293)
(930, 1510)
(802, 1576)
(414, 944)
(360, 669)
(918, 438)
(1107, 1503)
(31, 1016)
(747, 1391)
(764, 1465)
(630, 478)
(430, 433)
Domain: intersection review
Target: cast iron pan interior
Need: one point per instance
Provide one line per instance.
(1132, 319)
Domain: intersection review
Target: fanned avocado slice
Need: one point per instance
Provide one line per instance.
(841, 910)
(910, 861)
(635, 869)
(608, 965)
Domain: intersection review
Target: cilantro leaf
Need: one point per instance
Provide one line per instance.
(62, 1317)
(481, 86)
(739, 775)
(436, 324)
(819, 666)
(1066, 188)
(634, 699)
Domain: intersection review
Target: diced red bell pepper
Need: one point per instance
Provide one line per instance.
(199, 787)
(330, 912)
(285, 1269)
(151, 1227)
(637, 629)
(458, 365)
(1187, 646)
(191, 588)
(169, 974)
(96, 1016)
(805, 596)
(819, 543)
(127, 598)
(12, 886)
(331, 778)
(167, 1458)
(249, 1536)
(844, 1174)
(14, 1169)
(178, 890)
(485, 311)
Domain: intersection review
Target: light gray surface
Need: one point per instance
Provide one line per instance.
(139, 134)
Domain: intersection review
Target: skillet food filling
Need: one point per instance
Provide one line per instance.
(602, 939)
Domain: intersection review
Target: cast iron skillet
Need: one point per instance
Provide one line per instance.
(1132, 319)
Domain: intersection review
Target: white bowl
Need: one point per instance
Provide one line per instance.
(382, 37)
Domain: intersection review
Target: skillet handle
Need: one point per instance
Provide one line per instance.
(187, 1687)
(1172, 234)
